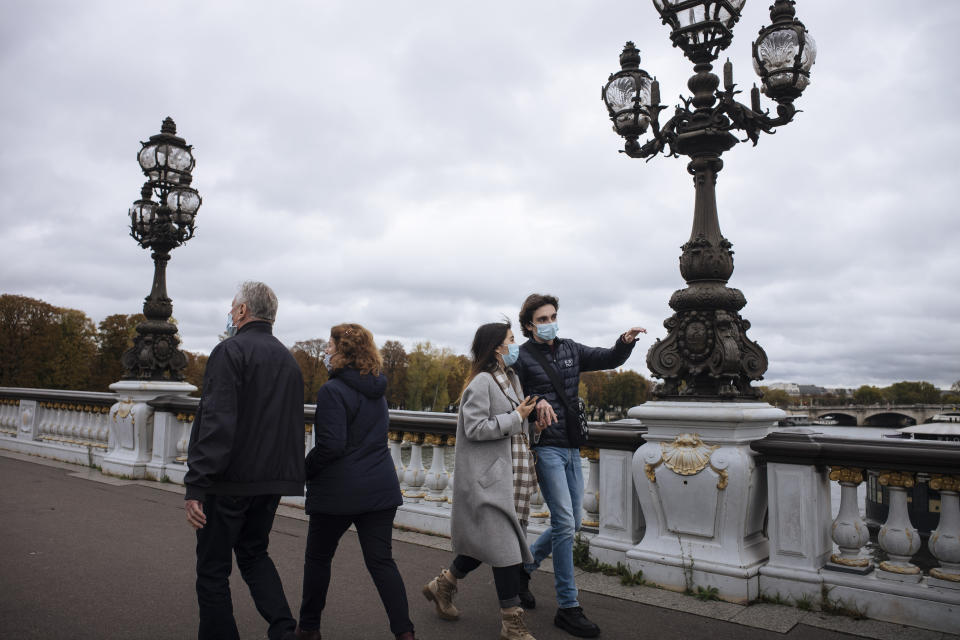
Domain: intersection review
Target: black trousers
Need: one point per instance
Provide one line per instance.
(238, 525)
(375, 531)
(505, 579)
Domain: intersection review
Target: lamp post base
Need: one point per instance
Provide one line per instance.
(131, 425)
(703, 496)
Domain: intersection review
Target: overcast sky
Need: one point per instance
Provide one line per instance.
(420, 167)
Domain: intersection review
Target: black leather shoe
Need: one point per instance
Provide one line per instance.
(527, 601)
(575, 623)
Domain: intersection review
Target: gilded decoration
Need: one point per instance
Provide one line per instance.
(940, 482)
(590, 523)
(901, 570)
(451, 441)
(590, 453)
(939, 573)
(851, 475)
(413, 438)
(433, 439)
(849, 562)
(903, 479)
(395, 436)
(687, 455)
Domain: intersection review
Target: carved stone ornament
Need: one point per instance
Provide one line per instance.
(902, 570)
(850, 475)
(590, 453)
(903, 479)
(940, 574)
(849, 562)
(413, 438)
(940, 482)
(687, 455)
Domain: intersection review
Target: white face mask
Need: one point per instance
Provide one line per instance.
(326, 361)
(231, 328)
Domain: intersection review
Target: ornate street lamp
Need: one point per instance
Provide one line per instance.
(163, 218)
(706, 354)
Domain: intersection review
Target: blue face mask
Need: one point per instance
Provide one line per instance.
(512, 354)
(547, 331)
(231, 328)
(326, 361)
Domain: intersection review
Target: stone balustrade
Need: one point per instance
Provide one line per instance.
(823, 559)
(700, 496)
(72, 426)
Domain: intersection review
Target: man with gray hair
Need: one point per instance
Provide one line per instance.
(246, 450)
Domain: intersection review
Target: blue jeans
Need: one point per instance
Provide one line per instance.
(561, 483)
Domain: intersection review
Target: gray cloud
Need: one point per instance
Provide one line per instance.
(421, 168)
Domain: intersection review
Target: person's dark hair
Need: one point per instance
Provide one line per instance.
(533, 302)
(486, 341)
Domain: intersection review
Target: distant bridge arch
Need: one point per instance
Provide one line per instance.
(868, 415)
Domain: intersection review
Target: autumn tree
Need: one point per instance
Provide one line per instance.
(44, 346)
(394, 358)
(309, 355)
(777, 397)
(868, 394)
(911, 393)
(115, 335)
(193, 372)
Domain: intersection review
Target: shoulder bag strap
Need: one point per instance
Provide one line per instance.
(554, 378)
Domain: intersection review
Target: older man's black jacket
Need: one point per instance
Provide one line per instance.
(569, 359)
(247, 438)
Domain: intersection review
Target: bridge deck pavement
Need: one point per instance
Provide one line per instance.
(85, 556)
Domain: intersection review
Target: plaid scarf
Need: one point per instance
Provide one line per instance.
(524, 474)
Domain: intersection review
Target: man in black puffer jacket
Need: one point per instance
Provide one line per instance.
(246, 450)
(557, 447)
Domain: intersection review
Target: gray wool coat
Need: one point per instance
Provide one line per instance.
(484, 522)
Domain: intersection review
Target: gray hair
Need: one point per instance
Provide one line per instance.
(260, 300)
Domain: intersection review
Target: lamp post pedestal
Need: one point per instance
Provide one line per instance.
(703, 496)
(131, 426)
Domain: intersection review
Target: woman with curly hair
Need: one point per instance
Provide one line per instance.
(351, 479)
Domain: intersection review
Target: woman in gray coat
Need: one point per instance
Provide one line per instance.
(494, 480)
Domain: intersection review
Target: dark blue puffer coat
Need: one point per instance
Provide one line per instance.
(569, 358)
(349, 470)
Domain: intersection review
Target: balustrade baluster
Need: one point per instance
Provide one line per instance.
(591, 492)
(436, 479)
(944, 542)
(8, 413)
(849, 530)
(451, 442)
(415, 473)
(897, 536)
(103, 431)
(395, 442)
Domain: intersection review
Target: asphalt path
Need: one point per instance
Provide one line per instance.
(87, 559)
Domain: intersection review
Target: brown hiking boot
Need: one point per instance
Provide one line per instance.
(512, 626)
(440, 591)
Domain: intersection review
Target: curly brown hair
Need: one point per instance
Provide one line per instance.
(533, 302)
(355, 348)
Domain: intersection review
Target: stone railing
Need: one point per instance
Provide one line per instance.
(75, 427)
(67, 425)
(705, 495)
(819, 558)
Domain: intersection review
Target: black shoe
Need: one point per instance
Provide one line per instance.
(575, 623)
(527, 601)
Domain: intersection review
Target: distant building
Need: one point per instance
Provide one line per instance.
(812, 390)
(790, 387)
